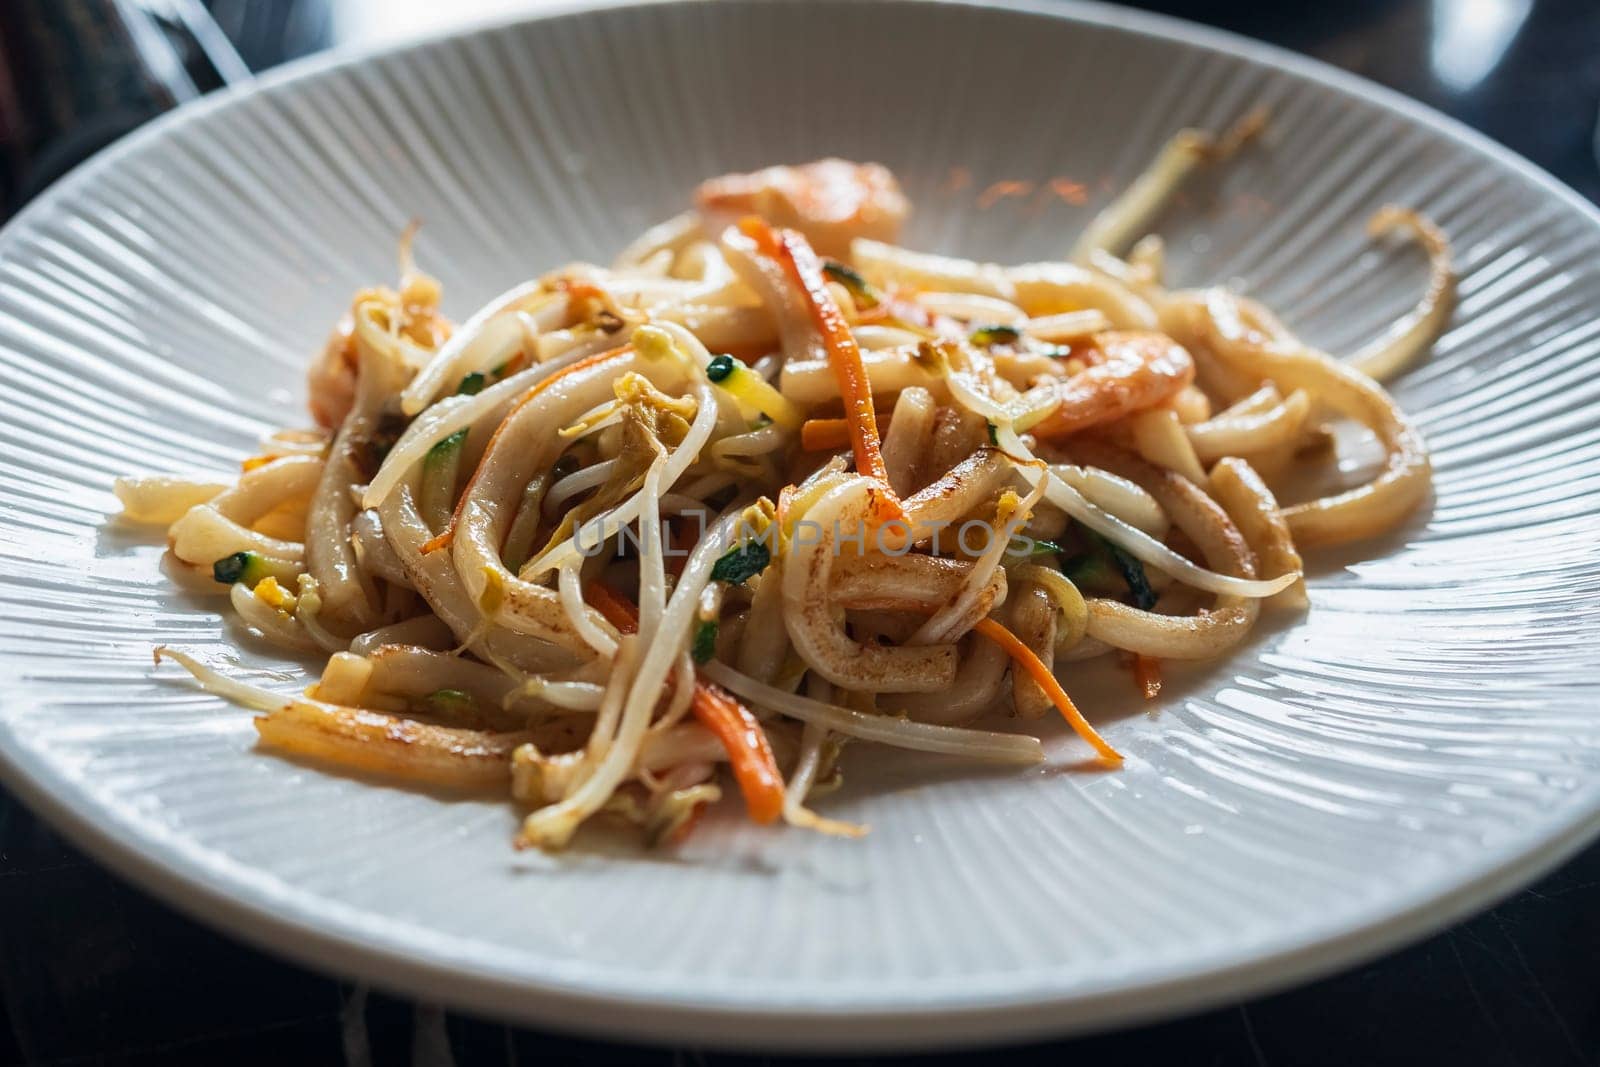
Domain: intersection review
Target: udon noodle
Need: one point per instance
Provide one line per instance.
(772, 483)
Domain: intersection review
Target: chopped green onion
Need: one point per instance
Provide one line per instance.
(741, 563)
(442, 451)
(753, 393)
(244, 567)
(472, 384)
(994, 434)
(1107, 568)
(1144, 598)
(857, 286)
(705, 641)
(1092, 571)
(450, 701)
(1032, 547)
(995, 334)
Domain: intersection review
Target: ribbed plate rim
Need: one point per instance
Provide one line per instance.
(600, 1002)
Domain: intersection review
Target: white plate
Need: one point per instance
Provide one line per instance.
(1425, 740)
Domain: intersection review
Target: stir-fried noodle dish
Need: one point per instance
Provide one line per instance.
(771, 484)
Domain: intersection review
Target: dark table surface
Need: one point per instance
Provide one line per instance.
(94, 971)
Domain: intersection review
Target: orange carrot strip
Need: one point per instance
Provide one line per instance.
(1036, 669)
(825, 435)
(754, 766)
(1147, 672)
(818, 435)
(794, 254)
(749, 754)
(617, 609)
(445, 536)
(580, 291)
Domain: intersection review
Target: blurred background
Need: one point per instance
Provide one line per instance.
(93, 971)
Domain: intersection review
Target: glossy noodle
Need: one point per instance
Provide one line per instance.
(628, 538)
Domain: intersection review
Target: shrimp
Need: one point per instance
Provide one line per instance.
(412, 315)
(831, 201)
(1130, 370)
(331, 382)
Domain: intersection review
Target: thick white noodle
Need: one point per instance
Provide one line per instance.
(1406, 341)
(950, 621)
(445, 418)
(1135, 541)
(705, 419)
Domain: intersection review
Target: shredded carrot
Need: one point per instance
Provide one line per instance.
(749, 754)
(1147, 672)
(825, 435)
(442, 539)
(616, 608)
(1036, 669)
(754, 766)
(795, 255)
(445, 536)
(818, 435)
(579, 292)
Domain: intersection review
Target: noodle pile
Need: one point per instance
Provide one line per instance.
(773, 483)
